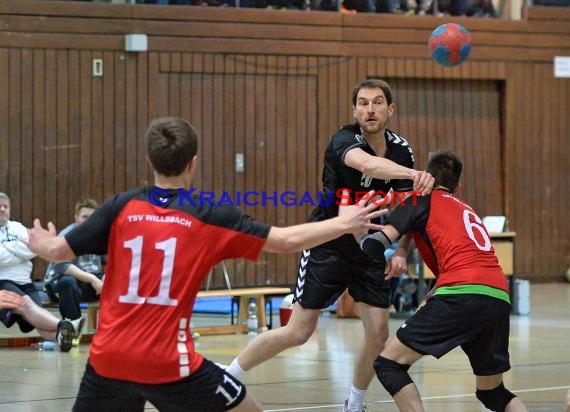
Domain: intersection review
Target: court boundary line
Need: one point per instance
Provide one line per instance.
(464, 395)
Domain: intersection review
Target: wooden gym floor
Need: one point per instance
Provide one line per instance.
(316, 377)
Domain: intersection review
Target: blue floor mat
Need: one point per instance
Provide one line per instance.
(223, 305)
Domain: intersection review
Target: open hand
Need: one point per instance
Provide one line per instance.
(359, 215)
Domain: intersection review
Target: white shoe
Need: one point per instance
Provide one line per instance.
(345, 408)
(78, 325)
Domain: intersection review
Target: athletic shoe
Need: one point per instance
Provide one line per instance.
(75, 342)
(345, 408)
(78, 324)
(64, 335)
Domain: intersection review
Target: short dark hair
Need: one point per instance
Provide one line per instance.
(446, 167)
(373, 84)
(171, 143)
(88, 203)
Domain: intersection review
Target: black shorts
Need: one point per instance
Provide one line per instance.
(324, 273)
(477, 323)
(210, 388)
(7, 316)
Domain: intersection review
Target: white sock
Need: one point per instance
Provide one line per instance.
(356, 398)
(235, 370)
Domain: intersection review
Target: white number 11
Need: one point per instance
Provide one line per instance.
(163, 298)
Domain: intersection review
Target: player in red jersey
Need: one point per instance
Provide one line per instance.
(470, 305)
(161, 243)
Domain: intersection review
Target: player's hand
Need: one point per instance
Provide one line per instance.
(423, 182)
(396, 265)
(10, 300)
(358, 216)
(37, 234)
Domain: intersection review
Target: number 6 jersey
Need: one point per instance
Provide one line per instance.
(445, 227)
(158, 257)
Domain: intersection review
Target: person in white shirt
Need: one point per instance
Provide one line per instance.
(15, 276)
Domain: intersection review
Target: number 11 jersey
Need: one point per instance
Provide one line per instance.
(158, 257)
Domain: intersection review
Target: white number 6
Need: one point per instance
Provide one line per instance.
(469, 226)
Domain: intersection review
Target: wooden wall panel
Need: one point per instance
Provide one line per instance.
(26, 136)
(39, 155)
(460, 115)
(232, 125)
(50, 143)
(4, 119)
(84, 132)
(275, 86)
(533, 169)
(14, 112)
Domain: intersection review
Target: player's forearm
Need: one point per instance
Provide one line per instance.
(53, 249)
(381, 168)
(305, 236)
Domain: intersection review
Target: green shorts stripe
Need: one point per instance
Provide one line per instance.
(474, 290)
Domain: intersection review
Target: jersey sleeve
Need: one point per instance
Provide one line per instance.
(412, 215)
(241, 235)
(92, 236)
(344, 140)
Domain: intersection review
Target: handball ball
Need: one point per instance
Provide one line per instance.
(450, 44)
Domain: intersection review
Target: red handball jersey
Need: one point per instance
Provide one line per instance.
(157, 260)
(452, 240)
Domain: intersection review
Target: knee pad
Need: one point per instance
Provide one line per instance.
(495, 399)
(392, 375)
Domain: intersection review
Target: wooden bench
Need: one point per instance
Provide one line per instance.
(243, 294)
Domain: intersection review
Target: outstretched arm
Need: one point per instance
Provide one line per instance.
(382, 168)
(354, 219)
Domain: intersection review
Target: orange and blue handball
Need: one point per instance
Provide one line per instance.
(450, 44)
